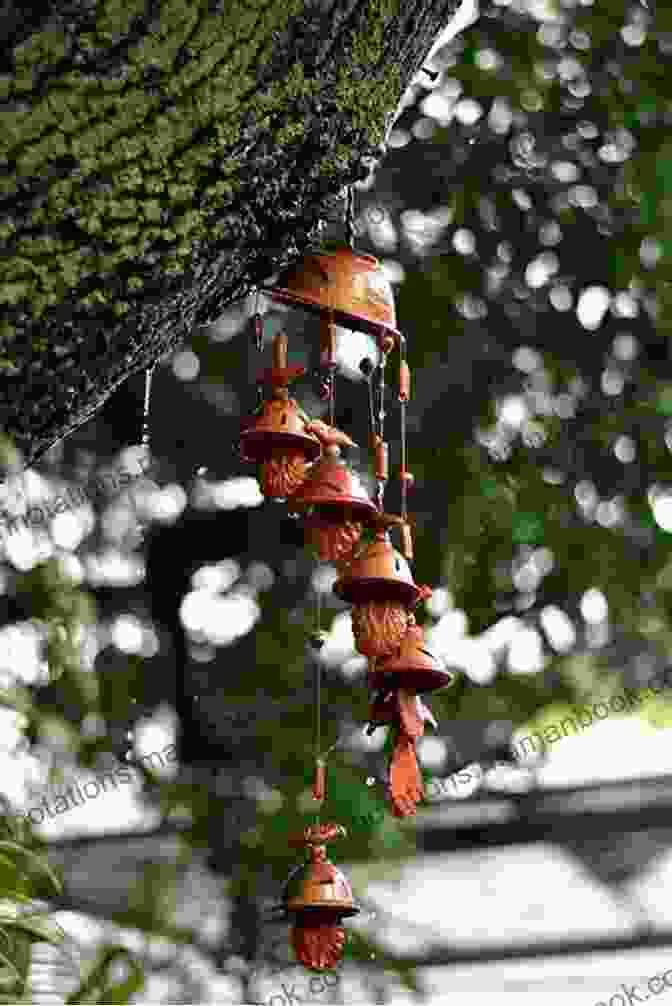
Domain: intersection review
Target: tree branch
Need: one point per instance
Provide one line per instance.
(157, 161)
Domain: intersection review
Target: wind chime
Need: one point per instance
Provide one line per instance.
(300, 461)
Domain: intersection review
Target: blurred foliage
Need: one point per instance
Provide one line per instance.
(100, 987)
(24, 876)
(532, 176)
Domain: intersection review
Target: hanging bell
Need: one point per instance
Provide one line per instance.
(278, 441)
(333, 501)
(379, 584)
(351, 288)
(412, 668)
(318, 896)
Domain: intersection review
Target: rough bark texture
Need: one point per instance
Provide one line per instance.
(159, 157)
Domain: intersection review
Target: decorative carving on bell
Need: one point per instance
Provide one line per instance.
(318, 896)
(413, 667)
(278, 440)
(379, 584)
(334, 504)
(350, 287)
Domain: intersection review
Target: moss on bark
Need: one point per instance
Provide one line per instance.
(158, 158)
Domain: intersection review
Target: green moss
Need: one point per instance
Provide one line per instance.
(115, 18)
(368, 106)
(150, 161)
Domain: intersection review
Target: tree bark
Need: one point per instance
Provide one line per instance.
(158, 158)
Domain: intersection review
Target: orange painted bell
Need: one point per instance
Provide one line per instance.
(350, 287)
(379, 584)
(318, 896)
(412, 668)
(278, 440)
(335, 506)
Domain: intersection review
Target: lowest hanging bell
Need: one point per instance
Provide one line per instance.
(318, 896)
(278, 439)
(379, 584)
(349, 288)
(334, 504)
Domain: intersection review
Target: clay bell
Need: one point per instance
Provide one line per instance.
(350, 288)
(335, 506)
(412, 668)
(379, 584)
(279, 442)
(317, 895)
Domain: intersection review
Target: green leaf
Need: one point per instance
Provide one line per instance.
(40, 927)
(648, 209)
(664, 401)
(96, 988)
(528, 529)
(36, 861)
(11, 969)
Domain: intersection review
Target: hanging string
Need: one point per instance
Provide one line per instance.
(318, 791)
(144, 435)
(258, 324)
(404, 395)
(381, 447)
(319, 778)
(258, 341)
(332, 398)
(328, 363)
(372, 410)
(350, 216)
(405, 475)
(381, 395)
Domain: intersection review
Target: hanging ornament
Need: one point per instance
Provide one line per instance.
(278, 440)
(379, 584)
(318, 896)
(334, 504)
(397, 680)
(347, 289)
(406, 714)
(412, 667)
(143, 490)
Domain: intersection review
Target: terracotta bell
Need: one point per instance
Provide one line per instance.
(334, 503)
(349, 288)
(318, 896)
(379, 584)
(279, 442)
(412, 668)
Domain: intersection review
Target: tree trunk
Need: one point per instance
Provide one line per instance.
(160, 157)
